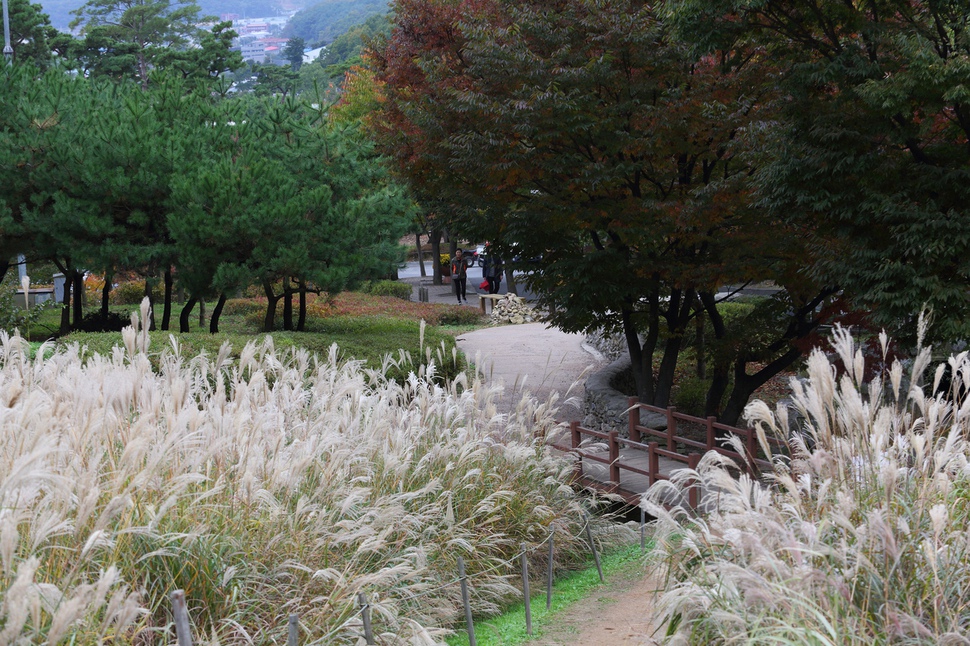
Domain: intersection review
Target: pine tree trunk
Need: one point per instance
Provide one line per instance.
(287, 306)
(106, 295)
(185, 314)
(270, 319)
(216, 313)
(78, 278)
(301, 321)
(167, 307)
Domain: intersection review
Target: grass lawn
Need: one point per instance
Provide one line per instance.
(365, 327)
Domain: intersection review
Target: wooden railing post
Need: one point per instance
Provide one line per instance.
(634, 418)
(752, 447)
(576, 440)
(614, 459)
(693, 494)
(710, 432)
(671, 427)
(654, 461)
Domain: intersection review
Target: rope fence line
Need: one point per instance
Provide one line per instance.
(182, 621)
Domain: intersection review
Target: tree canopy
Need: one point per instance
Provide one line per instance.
(586, 135)
(870, 153)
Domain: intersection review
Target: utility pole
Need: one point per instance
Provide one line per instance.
(7, 47)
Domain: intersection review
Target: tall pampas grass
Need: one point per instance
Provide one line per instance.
(859, 537)
(274, 484)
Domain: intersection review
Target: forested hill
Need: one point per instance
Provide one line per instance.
(320, 23)
(60, 10)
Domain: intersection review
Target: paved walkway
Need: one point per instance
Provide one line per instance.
(533, 358)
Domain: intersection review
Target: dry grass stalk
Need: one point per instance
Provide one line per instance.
(860, 538)
(280, 483)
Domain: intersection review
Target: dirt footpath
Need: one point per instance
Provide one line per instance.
(616, 614)
(540, 360)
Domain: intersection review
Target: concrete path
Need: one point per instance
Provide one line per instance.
(533, 358)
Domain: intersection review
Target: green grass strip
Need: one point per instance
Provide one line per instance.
(508, 629)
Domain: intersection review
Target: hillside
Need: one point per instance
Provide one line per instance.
(60, 10)
(324, 21)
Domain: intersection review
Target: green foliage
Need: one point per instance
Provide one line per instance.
(346, 49)
(13, 317)
(869, 155)
(127, 293)
(31, 34)
(387, 288)
(127, 39)
(293, 52)
(321, 23)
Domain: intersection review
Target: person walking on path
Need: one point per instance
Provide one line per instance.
(459, 275)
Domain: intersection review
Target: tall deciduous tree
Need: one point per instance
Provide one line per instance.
(582, 133)
(871, 153)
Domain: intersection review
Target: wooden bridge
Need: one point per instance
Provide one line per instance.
(627, 466)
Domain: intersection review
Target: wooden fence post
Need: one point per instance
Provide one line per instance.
(180, 614)
(614, 458)
(693, 495)
(525, 589)
(671, 427)
(634, 418)
(576, 440)
(592, 546)
(365, 617)
(643, 530)
(752, 447)
(549, 573)
(654, 461)
(293, 631)
(469, 624)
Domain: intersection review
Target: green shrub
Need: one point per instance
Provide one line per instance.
(128, 293)
(387, 288)
(242, 307)
(691, 395)
(458, 315)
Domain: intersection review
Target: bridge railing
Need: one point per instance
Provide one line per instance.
(662, 443)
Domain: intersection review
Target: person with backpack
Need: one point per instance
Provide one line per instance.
(459, 275)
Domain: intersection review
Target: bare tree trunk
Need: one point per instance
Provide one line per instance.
(435, 239)
(417, 243)
(510, 282)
